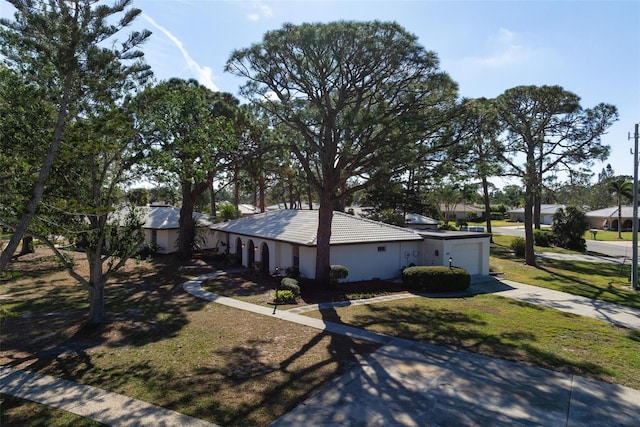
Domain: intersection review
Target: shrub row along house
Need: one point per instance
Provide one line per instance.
(277, 240)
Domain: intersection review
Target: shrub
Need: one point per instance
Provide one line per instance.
(518, 245)
(289, 284)
(436, 278)
(542, 238)
(497, 216)
(284, 297)
(447, 227)
(568, 227)
(338, 272)
(472, 217)
(461, 221)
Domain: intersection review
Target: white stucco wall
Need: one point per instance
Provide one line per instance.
(471, 253)
(366, 262)
(166, 239)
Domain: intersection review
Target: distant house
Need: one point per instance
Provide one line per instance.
(369, 249)
(411, 220)
(546, 213)
(607, 218)
(420, 222)
(247, 209)
(460, 211)
(161, 225)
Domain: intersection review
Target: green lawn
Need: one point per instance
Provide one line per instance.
(603, 281)
(508, 329)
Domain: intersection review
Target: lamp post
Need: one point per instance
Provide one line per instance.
(450, 261)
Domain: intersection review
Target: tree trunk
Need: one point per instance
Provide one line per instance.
(537, 217)
(323, 248)
(530, 256)
(310, 196)
(27, 245)
(186, 231)
(212, 196)
(487, 205)
(261, 190)
(97, 312)
(38, 189)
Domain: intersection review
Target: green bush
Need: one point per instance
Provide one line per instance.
(497, 216)
(290, 284)
(518, 245)
(338, 272)
(461, 221)
(568, 228)
(542, 238)
(436, 278)
(447, 227)
(472, 217)
(285, 297)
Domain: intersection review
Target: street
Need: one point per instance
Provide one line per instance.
(621, 250)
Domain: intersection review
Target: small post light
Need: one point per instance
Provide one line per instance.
(450, 261)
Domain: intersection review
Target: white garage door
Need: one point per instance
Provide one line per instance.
(468, 256)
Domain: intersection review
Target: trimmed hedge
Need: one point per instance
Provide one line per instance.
(436, 278)
(338, 272)
(290, 284)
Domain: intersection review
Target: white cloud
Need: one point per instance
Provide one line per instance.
(203, 74)
(259, 10)
(504, 51)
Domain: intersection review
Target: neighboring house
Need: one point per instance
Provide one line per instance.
(607, 218)
(420, 222)
(369, 249)
(460, 211)
(546, 214)
(411, 220)
(161, 225)
(246, 209)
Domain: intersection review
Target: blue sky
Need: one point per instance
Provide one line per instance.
(591, 48)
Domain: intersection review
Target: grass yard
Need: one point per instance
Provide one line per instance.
(508, 329)
(603, 281)
(163, 346)
(231, 367)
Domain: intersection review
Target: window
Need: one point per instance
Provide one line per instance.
(382, 248)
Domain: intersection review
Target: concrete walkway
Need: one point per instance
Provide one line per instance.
(90, 402)
(404, 383)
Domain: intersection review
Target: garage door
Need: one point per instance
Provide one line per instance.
(468, 256)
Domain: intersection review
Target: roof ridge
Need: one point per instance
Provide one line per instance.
(379, 223)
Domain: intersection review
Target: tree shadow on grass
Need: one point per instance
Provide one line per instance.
(586, 289)
(143, 305)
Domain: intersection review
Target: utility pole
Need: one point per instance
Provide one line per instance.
(634, 267)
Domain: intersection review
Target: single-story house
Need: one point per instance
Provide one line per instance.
(369, 249)
(546, 213)
(460, 211)
(607, 218)
(161, 225)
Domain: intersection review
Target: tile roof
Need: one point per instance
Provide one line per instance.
(627, 212)
(300, 227)
(159, 217)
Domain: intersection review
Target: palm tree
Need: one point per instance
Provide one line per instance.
(620, 188)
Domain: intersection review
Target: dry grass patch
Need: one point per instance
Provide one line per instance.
(164, 346)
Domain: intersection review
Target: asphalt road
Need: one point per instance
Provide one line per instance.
(622, 250)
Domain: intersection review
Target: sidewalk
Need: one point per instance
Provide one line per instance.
(90, 402)
(404, 383)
